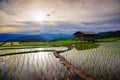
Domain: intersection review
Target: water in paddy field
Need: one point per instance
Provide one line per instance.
(5, 51)
(34, 66)
(102, 63)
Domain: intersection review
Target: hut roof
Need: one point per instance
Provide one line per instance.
(85, 32)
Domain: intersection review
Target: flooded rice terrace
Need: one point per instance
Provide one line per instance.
(33, 66)
(101, 63)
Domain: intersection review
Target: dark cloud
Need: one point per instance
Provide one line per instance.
(48, 15)
(1, 0)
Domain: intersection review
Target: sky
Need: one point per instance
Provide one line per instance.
(59, 16)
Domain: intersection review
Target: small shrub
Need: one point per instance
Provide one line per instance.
(85, 46)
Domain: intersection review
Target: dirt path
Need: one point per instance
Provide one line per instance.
(56, 53)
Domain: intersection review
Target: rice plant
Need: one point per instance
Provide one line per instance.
(100, 63)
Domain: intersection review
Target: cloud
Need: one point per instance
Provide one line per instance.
(67, 10)
(60, 27)
(57, 15)
(23, 27)
(8, 29)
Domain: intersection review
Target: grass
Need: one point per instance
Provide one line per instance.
(47, 43)
(79, 46)
(85, 46)
(109, 39)
(56, 43)
(22, 45)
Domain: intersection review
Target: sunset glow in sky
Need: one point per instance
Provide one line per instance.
(59, 16)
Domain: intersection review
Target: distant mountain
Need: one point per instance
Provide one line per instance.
(110, 34)
(30, 38)
(35, 37)
(56, 36)
(49, 37)
(9, 37)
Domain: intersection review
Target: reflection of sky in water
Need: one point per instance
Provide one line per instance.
(30, 65)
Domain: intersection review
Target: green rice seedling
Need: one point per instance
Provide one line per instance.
(10, 74)
(18, 76)
(27, 71)
(18, 63)
(0, 76)
(110, 78)
(69, 73)
(23, 63)
(41, 68)
(103, 60)
(116, 75)
(38, 61)
(63, 76)
(88, 71)
(35, 72)
(5, 63)
(68, 78)
(45, 75)
(95, 74)
(53, 75)
(56, 78)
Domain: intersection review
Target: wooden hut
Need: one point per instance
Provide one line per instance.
(85, 36)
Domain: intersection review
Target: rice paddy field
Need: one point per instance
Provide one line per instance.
(101, 63)
(34, 66)
(7, 51)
